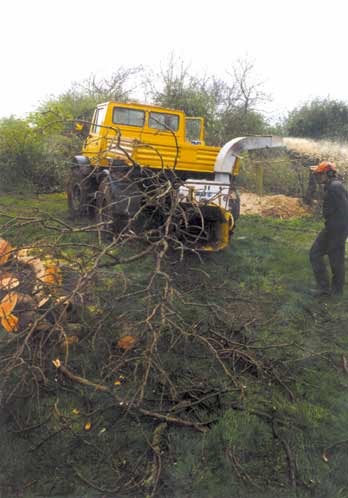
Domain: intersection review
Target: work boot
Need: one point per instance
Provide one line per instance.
(319, 292)
(337, 291)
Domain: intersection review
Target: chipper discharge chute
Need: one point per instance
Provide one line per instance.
(147, 168)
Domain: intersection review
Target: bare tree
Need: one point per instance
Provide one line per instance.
(119, 86)
(248, 91)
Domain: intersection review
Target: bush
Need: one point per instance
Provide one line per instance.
(273, 172)
(31, 159)
(319, 118)
(20, 155)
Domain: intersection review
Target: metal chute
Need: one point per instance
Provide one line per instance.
(227, 159)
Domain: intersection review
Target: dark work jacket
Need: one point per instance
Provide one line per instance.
(335, 205)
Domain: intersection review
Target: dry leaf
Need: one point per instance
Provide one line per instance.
(61, 299)
(71, 339)
(75, 411)
(43, 301)
(52, 275)
(324, 457)
(8, 304)
(126, 342)
(43, 326)
(5, 251)
(8, 281)
(92, 309)
(10, 323)
(38, 266)
(22, 253)
(57, 363)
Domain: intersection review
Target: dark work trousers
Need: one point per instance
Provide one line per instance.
(331, 241)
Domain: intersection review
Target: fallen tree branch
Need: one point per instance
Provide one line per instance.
(123, 403)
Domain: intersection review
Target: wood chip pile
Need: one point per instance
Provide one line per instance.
(276, 206)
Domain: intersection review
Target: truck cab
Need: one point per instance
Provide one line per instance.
(141, 159)
(151, 136)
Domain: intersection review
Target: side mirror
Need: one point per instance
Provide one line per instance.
(81, 128)
(78, 126)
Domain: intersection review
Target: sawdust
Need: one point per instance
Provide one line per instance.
(276, 206)
(320, 150)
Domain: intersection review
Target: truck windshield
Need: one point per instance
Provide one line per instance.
(128, 117)
(98, 119)
(163, 121)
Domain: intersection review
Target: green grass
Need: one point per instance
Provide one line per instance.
(50, 203)
(259, 286)
(40, 220)
(267, 265)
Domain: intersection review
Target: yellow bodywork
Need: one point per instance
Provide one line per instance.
(148, 136)
(144, 143)
(223, 231)
(160, 138)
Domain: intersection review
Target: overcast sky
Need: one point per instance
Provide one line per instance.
(299, 46)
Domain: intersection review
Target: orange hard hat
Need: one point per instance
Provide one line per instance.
(323, 167)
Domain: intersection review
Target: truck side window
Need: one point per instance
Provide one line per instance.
(193, 130)
(98, 119)
(128, 117)
(163, 121)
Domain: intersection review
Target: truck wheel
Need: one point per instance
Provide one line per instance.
(104, 210)
(79, 191)
(110, 222)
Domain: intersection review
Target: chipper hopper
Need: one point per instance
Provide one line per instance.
(147, 168)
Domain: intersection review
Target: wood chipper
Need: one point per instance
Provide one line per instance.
(142, 165)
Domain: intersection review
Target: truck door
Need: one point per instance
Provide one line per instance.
(93, 141)
(163, 133)
(129, 121)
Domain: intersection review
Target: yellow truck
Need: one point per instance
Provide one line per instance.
(134, 151)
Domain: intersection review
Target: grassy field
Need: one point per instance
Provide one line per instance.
(244, 373)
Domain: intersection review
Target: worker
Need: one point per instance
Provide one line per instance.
(332, 238)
